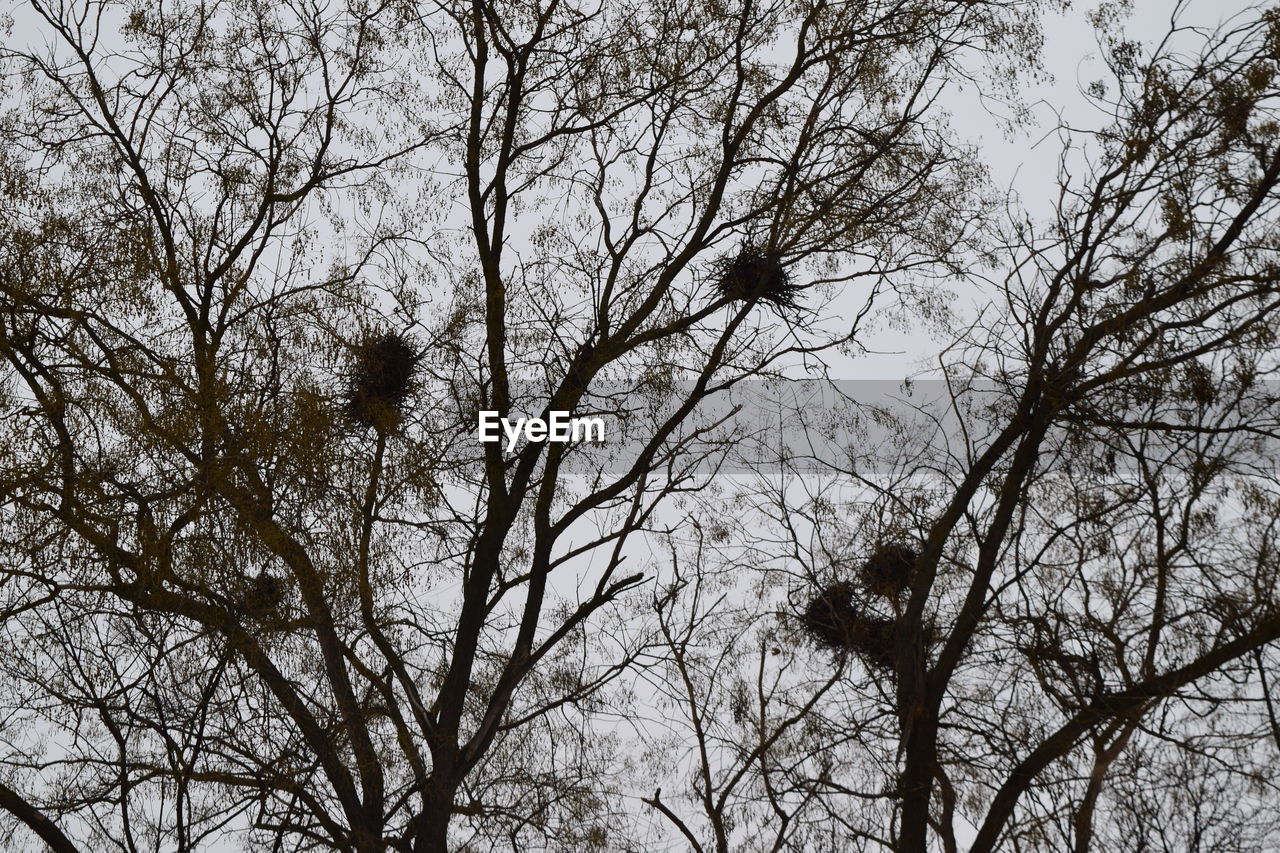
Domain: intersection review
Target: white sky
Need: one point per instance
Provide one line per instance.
(1025, 162)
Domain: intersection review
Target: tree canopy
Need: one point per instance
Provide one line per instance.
(262, 265)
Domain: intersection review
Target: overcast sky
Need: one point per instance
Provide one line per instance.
(1024, 162)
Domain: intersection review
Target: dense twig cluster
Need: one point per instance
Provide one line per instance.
(757, 275)
(381, 381)
(889, 569)
(834, 618)
(262, 595)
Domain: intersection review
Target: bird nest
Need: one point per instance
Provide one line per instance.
(261, 596)
(835, 620)
(889, 569)
(381, 381)
(757, 275)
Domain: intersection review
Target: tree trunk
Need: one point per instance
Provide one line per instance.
(917, 785)
(433, 827)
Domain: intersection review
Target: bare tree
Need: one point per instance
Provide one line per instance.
(263, 264)
(1076, 650)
